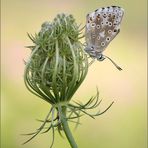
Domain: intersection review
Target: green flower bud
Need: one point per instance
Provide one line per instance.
(57, 65)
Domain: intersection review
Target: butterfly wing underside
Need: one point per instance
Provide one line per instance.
(101, 28)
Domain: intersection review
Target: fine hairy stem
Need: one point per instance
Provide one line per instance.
(67, 129)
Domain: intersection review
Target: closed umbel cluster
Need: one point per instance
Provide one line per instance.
(57, 65)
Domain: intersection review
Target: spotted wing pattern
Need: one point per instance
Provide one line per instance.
(101, 27)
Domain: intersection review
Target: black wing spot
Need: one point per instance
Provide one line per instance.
(109, 31)
(107, 22)
(115, 30)
(110, 24)
(108, 39)
(98, 26)
(102, 44)
(114, 6)
(98, 15)
(113, 16)
(104, 15)
(93, 24)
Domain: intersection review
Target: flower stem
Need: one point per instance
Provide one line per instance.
(67, 129)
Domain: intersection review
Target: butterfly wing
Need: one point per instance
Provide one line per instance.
(102, 26)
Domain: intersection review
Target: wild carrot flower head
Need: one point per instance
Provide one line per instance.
(58, 64)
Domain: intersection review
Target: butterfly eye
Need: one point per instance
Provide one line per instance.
(98, 26)
(102, 44)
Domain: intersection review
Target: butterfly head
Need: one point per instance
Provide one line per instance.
(100, 57)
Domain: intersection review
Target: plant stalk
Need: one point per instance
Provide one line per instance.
(67, 129)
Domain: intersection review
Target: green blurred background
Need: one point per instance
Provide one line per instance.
(124, 125)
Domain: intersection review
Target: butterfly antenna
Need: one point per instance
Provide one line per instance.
(119, 68)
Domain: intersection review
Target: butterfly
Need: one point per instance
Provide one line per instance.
(102, 26)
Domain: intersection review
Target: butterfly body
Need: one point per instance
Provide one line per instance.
(102, 26)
